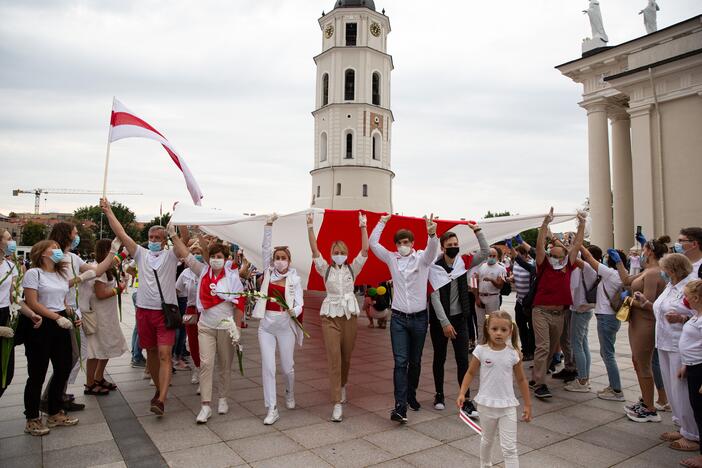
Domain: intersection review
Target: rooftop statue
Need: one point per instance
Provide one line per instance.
(650, 14)
(595, 15)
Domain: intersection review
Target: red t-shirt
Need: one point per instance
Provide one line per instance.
(273, 291)
(554, 285)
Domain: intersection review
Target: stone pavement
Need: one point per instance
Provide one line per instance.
(569, 430)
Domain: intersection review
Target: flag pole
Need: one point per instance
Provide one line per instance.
(107, 156)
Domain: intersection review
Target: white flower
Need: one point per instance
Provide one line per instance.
(14, 308)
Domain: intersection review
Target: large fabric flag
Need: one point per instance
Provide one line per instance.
(331, 225)
(125, 124)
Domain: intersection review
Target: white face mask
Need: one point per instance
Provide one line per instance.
(217, 263)
(339, 259)
(556, 263)
(280, 265)
(404, 250)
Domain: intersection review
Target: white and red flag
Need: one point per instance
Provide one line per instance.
(125, 124)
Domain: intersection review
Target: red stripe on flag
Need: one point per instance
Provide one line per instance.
(123, 118)
(464, 417)
(174, 157)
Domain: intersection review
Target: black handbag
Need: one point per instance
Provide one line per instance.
(171, 312)
(590, 291)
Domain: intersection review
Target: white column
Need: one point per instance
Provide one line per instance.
(599, 178)
(622, 187)
(642, 170)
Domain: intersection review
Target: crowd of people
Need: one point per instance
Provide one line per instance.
(194, 292)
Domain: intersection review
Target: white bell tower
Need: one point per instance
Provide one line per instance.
(352, 117)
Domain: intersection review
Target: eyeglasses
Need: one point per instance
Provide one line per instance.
(684, 240)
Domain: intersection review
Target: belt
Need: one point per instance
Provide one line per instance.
(409, 315)
(488, 294)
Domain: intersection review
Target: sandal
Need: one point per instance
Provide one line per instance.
(370, 325)
(105, 384)
(685, 445)
(671, 436)
(95, 389)
(694, 462)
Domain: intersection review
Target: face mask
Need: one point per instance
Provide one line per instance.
(155, 246)
(556, 263)
(56, 255)
(281, 265)
(217, 263)
(339, 259)
(451, 252)
(199, 258)
(491, 261)
(678, 248)
(11, 247)
(665, 276)
(404, 250)
(75, 242)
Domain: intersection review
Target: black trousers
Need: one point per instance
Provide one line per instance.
(47, 343)
(4, 320)
(694, 383)
(440, 345)
(526, 329)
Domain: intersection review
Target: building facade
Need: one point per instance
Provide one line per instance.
(353, 120)
(649, 90)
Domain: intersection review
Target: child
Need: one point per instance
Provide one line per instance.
(691, 357)
(499, 360)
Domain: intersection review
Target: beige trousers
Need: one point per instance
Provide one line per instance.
(548, 326)
(214, 344)
(339, 338)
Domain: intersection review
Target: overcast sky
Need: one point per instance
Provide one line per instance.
(483, 120)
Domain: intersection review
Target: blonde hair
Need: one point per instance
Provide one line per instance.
(284, 249)
(694, 288)
(502, 315)
(677, 264)
(341, 245)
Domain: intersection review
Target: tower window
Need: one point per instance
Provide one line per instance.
(376, 147)
(365, 190)
(351, 34)
(376, 89)
(325, 89)
(338, 190)
(319, 190)
(349, 146)
(349, 85)
(323, 147)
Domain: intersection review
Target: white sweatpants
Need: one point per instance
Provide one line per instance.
(276, 329)
(678, 395)
(502, 421)
(490, 304)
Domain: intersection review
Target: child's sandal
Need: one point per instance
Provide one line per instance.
(95, 389)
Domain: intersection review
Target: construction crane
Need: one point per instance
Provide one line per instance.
(38, 192)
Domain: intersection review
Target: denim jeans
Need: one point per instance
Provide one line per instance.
(137, 356)
(607, 328)
(179, 347)
(407, 334)
(579, 324)
(656, 369)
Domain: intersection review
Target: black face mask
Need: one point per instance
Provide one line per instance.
(451, 252)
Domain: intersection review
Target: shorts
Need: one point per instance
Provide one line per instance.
(151, 326)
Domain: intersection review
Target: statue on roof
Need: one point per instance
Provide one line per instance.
(596, 24)
(650, 14)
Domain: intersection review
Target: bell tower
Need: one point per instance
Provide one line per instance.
(352, 116)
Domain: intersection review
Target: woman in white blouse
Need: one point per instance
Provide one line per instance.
(277, 329)
(339, 311)
(671, 314)
(187, 285)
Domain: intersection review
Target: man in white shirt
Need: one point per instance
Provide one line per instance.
(408, 327)
(153, 264)
(690, 244)
(491, 278)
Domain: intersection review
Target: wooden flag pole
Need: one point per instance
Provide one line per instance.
(107, 156)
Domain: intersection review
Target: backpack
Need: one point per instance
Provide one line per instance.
(590, 292)
(326, 275)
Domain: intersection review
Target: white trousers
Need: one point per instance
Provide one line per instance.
(490, 304)
(678, 395)
(502, 421)
(276, 330)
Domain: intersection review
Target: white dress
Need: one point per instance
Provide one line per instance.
(108, 341)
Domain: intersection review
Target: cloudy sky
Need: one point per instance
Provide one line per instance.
(483, 120)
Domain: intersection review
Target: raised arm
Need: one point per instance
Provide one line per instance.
(587, 257)
(579, 237)
(117, 228)
(432, 250)
(310, 235)
(484, 251)
(541, 239)
(267, 245)
(363, 224)
(381, 252)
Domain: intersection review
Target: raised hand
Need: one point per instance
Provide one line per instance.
(519, 239)
(105, 206)
(508, 243)
(171, 230)
(310, 219)
(362, 220)
(271, 218)
(474, 226)
(641, 239)
(548, 219)
(431, 225)
(614, 255)
(384, 219)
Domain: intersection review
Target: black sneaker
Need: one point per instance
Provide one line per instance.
(73, 406)
(542, 392)
(642, 415)
(399, 415)
(469, 409)
(138, 364)
(565, 374)
(414, 404)
(439, 403)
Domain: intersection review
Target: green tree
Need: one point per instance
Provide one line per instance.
(124, 215)
(157, 221)
(496, 214)
(87, 240)
(33, 232)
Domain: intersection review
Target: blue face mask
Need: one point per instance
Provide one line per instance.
(665, 276)
(199, 258)
(75, 243)
(491, 261)
(155, 246)
(11, 248)
(678, 248)
(56, 255)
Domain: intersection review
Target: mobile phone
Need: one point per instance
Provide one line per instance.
(638, 229)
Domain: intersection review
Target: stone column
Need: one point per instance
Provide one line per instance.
(599, 177)
(622, 186)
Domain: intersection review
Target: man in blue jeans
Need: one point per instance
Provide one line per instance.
(408, 327)
(138, 359)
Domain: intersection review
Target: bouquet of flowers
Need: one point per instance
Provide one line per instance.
(7, 345)
(118, 273)
(235, 334)
(76, 330)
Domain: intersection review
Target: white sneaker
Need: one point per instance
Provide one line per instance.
(611, 395)
(660, 407)
(576, 386)
(272, 416)
(343, 394)
(198, 390)
(204, 414)
(289, 400)
(146, 374)
(195, 376)
(222, 407)
(337, 413)
(151, 382)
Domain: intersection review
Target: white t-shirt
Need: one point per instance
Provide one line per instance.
(74, 264)
(7, 267)
(670, 300)
(691, 342)
(187, 286)
(165, 263)
(493, 272)
(51, 288)
(696, 267)
(496, 376)
(611, 280)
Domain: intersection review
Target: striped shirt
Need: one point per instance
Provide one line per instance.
(521, 280)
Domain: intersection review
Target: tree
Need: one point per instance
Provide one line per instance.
(87, 240)
(162, 220)
(33, 232)
(124, 215)
(496, 214)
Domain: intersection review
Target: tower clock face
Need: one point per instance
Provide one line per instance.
(375, 29)
(329, 31)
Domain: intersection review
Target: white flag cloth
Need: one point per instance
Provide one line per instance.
(125, 124)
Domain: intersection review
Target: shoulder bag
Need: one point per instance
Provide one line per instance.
(171, 312)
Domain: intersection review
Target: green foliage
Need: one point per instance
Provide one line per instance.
(497, 214)
(124, 215)
(33, 232)
(530, 236)
(87, 240)
(157, 221)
